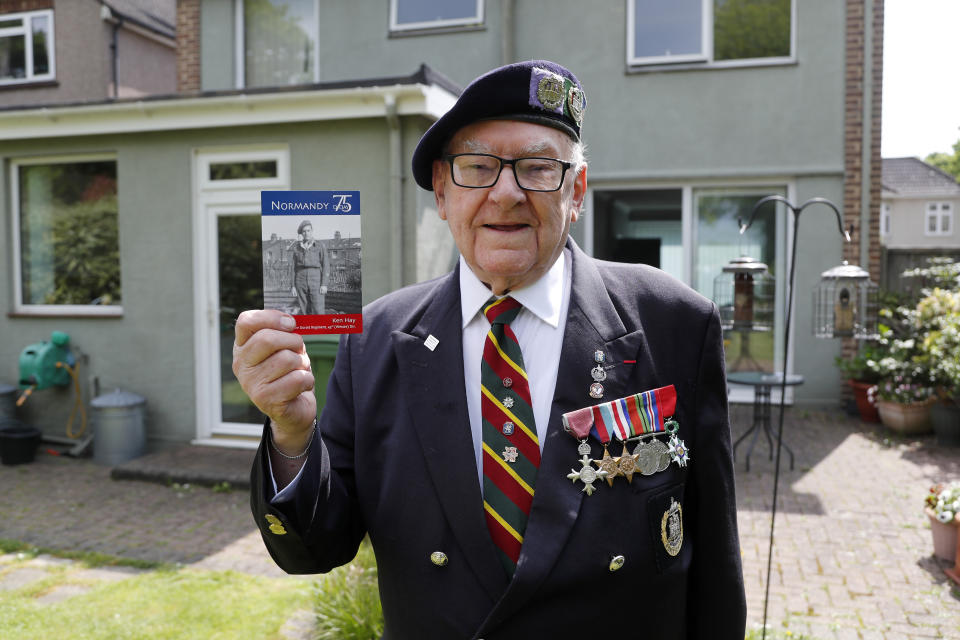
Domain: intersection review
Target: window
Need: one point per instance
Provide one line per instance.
(26, 47)
(708, 31)
(408, 15)
(885, 219)
(65, 236)
(939, 219)
(278, 42)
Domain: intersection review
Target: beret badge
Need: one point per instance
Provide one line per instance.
(575, 105)
(550, 91)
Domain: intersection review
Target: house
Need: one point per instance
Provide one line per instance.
(917, 219)
(693, 114)
(85, 50)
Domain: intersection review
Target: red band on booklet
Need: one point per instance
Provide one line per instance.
(329, 323)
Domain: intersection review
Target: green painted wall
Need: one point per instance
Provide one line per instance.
(150, 349)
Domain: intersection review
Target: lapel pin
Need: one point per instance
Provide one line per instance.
(431, 342)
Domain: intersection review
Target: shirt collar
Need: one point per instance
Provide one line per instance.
(543, 298)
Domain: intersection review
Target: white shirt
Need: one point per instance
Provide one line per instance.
(539, 329)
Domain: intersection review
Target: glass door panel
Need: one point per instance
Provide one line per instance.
(718, 241)
(640, 226)
(240, 288)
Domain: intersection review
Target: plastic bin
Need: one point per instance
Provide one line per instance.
(18, 442)
(8, 400)
(119, 433)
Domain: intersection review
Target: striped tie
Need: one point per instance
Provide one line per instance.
(511, 451)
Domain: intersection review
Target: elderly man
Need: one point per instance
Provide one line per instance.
(468, 431)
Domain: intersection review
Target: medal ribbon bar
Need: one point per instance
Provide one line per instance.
(637, 415)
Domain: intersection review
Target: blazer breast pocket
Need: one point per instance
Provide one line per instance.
(665, 522)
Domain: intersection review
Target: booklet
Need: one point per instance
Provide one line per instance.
(311, 258)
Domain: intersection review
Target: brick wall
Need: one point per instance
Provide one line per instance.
(14, 6)
(854, 171)
(188, 45)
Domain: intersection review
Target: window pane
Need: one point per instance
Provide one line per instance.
(11, 24)
(718, 241)
(243, 170)
(68, 234)
(751, 29)
(412, 11)
(931, 224)
(239, 257)
(41, 45)
(640, 226)
(13, 58)
(667, 28)
(279, 42)
(945, 223)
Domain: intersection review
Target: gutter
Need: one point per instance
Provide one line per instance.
(222, 110)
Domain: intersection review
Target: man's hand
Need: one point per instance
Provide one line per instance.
(272, 365)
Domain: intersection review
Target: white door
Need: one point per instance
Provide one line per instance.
(228, 279)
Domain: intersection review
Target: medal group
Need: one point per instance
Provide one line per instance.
(639, 418)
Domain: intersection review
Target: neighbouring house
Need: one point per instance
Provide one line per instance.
(917, 217)
(73, 51)
(694, 113)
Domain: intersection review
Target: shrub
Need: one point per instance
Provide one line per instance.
(347, 600)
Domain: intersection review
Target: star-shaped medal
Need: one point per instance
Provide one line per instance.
(678, 451)
(626, 463)
(587, 475)
(608, 464)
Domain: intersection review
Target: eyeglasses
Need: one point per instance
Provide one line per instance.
(481, 170)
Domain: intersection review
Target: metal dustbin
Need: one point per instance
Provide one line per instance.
(8, 400)
(119, 433)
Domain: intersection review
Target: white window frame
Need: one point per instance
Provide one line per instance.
(941, 211)
(50, 309)
(240, 63)
(26, 31)
(705, 58)
(885, 220)
(472, 21)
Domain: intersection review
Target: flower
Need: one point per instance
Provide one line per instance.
(944, 501)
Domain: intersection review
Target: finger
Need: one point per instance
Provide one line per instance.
(263, 344)
(253, 320)
(282, 398)
(277, 365)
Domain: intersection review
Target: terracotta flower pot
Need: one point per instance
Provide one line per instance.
(944, 537)
(868, 410)
(911, 418)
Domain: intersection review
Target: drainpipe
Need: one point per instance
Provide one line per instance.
(866, 145)
(508, 49)
(106, 14)
(395, 192)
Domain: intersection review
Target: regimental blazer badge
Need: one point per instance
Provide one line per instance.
(671, 528)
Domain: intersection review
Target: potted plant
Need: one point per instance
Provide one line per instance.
(942, 506)
(940, 352)
(862, 372)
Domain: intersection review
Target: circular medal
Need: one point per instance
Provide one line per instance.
(508, 382)
(664, 452)
(596, 390)
(648, 460)
(598, 373)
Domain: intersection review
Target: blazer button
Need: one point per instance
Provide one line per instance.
(439, 558)
(616, 562)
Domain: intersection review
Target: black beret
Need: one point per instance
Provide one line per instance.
(536, 91)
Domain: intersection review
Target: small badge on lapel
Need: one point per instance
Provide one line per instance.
(671, 528)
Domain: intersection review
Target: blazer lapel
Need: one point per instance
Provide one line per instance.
(435, 379)
(592, 324)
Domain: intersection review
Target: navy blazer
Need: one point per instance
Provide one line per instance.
(396, 461)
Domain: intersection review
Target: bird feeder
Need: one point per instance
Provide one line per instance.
(744, 292)
(845, 304)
